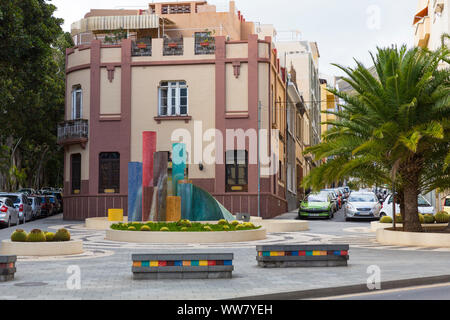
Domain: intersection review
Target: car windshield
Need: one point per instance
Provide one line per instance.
(423, 202)
(362, 198)
(317, 198)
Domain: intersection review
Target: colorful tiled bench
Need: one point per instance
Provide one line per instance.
(7, 268)
(291, 256)
(182, 266)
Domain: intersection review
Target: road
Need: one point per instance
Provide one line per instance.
(431, 292)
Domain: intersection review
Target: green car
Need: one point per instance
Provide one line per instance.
(316, 205)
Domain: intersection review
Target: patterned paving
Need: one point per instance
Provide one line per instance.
(359, 237)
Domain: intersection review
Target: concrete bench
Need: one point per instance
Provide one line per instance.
(7, 268)
(291, 256)
(182, 266)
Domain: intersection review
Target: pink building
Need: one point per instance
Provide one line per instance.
(181, 66)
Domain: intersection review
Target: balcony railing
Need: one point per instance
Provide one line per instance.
(173, 47)
(142, 48)
(73, 132)
(205, 45)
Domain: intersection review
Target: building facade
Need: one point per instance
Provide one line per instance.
(173, 68)
(430, 22)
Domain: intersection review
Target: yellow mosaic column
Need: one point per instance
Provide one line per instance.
(115, 215)
(173, 210)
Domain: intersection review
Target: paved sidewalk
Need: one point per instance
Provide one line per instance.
(108, 276)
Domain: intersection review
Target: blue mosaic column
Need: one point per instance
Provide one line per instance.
(179, 159)
(135, 191)
(186, 192)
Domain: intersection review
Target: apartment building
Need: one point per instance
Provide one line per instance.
(166, 68)
(431, 20)
(328, 103)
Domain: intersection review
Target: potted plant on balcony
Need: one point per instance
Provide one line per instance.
(142, 45)
(172, 45)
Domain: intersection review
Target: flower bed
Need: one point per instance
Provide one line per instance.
(185, 226)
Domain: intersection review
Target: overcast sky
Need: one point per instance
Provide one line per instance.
(343, 29)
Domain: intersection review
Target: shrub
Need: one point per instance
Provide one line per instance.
(421, 218)
(442, 217)
(429, 219)
(226, 228)
(36, 235)
(386, 219)
(240, 227)
(235, 223)
(131, 228)
(62, 235)
(184, 229)
(49, 236)
(222, 222)
(398, 218)
(164, 229)
(146, 228)
(184, 223)
(150, 223)
(19, 236)
(207, 228)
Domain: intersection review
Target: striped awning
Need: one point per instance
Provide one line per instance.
(421, 14)
(109, 23)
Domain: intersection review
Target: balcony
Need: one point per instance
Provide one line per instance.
(73, 132)
(205, 45)
(142, 48)
(173, 47)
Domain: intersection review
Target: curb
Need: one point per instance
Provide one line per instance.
(346, 290)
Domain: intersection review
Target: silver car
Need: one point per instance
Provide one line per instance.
(8, 213)
(20, 201)
(35, 203)
(362, 205)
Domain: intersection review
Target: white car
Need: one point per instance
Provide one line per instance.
(424, 207)
(8, 213)
(20, 201)
(362, 205)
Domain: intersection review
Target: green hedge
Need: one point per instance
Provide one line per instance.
(184, 226)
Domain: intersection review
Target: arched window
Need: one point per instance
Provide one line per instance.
(109, 172)
(77, 102)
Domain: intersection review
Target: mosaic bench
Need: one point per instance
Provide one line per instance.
(182, 266)
(7, 268)
(291, 256)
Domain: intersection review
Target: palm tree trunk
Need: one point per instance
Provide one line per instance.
(410, 196)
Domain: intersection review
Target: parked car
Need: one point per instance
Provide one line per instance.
(362, 205)
(59, 200)
(27, 191)
(20, 201)
(8, 213)
(447, 205)
(424, 206)
(335, 199)
(35, 203)
(47, 208)
(318, 205)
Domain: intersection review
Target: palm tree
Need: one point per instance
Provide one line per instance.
(388, 128)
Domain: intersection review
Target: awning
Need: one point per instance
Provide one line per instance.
(421, 14)
(109, 23)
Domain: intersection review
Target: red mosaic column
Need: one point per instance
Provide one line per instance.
(148, 150)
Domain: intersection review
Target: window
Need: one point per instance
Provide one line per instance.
(76, 173)
(109, 172)
(236, 171)
(77, 103)
(173, 99)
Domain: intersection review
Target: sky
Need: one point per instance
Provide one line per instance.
(343, 29)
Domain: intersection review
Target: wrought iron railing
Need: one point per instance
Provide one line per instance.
(173, 47)
(72, 130)
(205, 45)
(142, 48)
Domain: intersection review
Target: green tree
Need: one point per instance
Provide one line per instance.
(391, 129)
(32, 85)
